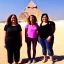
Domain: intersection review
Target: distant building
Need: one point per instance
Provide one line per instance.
(31, 9)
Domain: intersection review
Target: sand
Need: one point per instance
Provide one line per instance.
(58, 46)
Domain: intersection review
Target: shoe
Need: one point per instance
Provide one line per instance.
(33, 61)
(51, 62)
(29, 62)
(44, 60)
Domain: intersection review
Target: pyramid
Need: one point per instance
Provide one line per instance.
(31, 9)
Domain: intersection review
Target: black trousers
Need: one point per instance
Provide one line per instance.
(34, 44)
(13, 54)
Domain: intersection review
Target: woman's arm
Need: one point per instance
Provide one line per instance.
(5, 39)
(52, 28)
(21, 37)
(52, 31)
(26, 34)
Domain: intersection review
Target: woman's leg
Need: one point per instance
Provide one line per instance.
(51, 56)
(10, 55)
(49, 46)
(16, 62)
(44, 51)
(34, 43)
(29, 47)
(16, 55)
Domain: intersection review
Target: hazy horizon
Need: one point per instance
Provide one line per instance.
(54, 8)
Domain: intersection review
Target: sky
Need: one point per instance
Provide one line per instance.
(54, 8)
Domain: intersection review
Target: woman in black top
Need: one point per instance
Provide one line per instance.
(46, 36)
(13, 39)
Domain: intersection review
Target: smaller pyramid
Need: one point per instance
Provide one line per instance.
(31, 9)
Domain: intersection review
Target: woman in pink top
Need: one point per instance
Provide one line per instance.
(31, 36)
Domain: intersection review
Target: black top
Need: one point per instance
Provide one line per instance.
(46, 30)
(13, 36)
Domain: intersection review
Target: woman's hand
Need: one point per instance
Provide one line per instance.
(4, 46)
(26, 39)
(21, 43)
(38, 41)
(49, 39)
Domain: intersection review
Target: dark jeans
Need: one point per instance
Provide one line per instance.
(47, 46)
(34, 43)
(13, 54)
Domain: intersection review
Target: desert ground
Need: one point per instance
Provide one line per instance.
(57, 47)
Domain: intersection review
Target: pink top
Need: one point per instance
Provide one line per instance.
(32, 30)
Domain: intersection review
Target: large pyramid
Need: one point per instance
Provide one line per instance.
(31, 9)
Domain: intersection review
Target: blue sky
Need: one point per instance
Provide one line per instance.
(54, 8)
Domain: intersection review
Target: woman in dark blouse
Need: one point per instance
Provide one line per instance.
(46, 36)
(13, 39)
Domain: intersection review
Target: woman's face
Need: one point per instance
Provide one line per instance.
(31, 19)
(44, 18)
(13, 19)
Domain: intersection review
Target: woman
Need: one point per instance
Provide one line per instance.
(13, 39)
(46, 36)
(31, 35)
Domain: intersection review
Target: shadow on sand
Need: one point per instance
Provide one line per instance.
(56, 59)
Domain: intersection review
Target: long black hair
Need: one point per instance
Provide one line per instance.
(44, 15)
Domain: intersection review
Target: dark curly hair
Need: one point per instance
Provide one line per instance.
(35, 19)
(8, 22)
